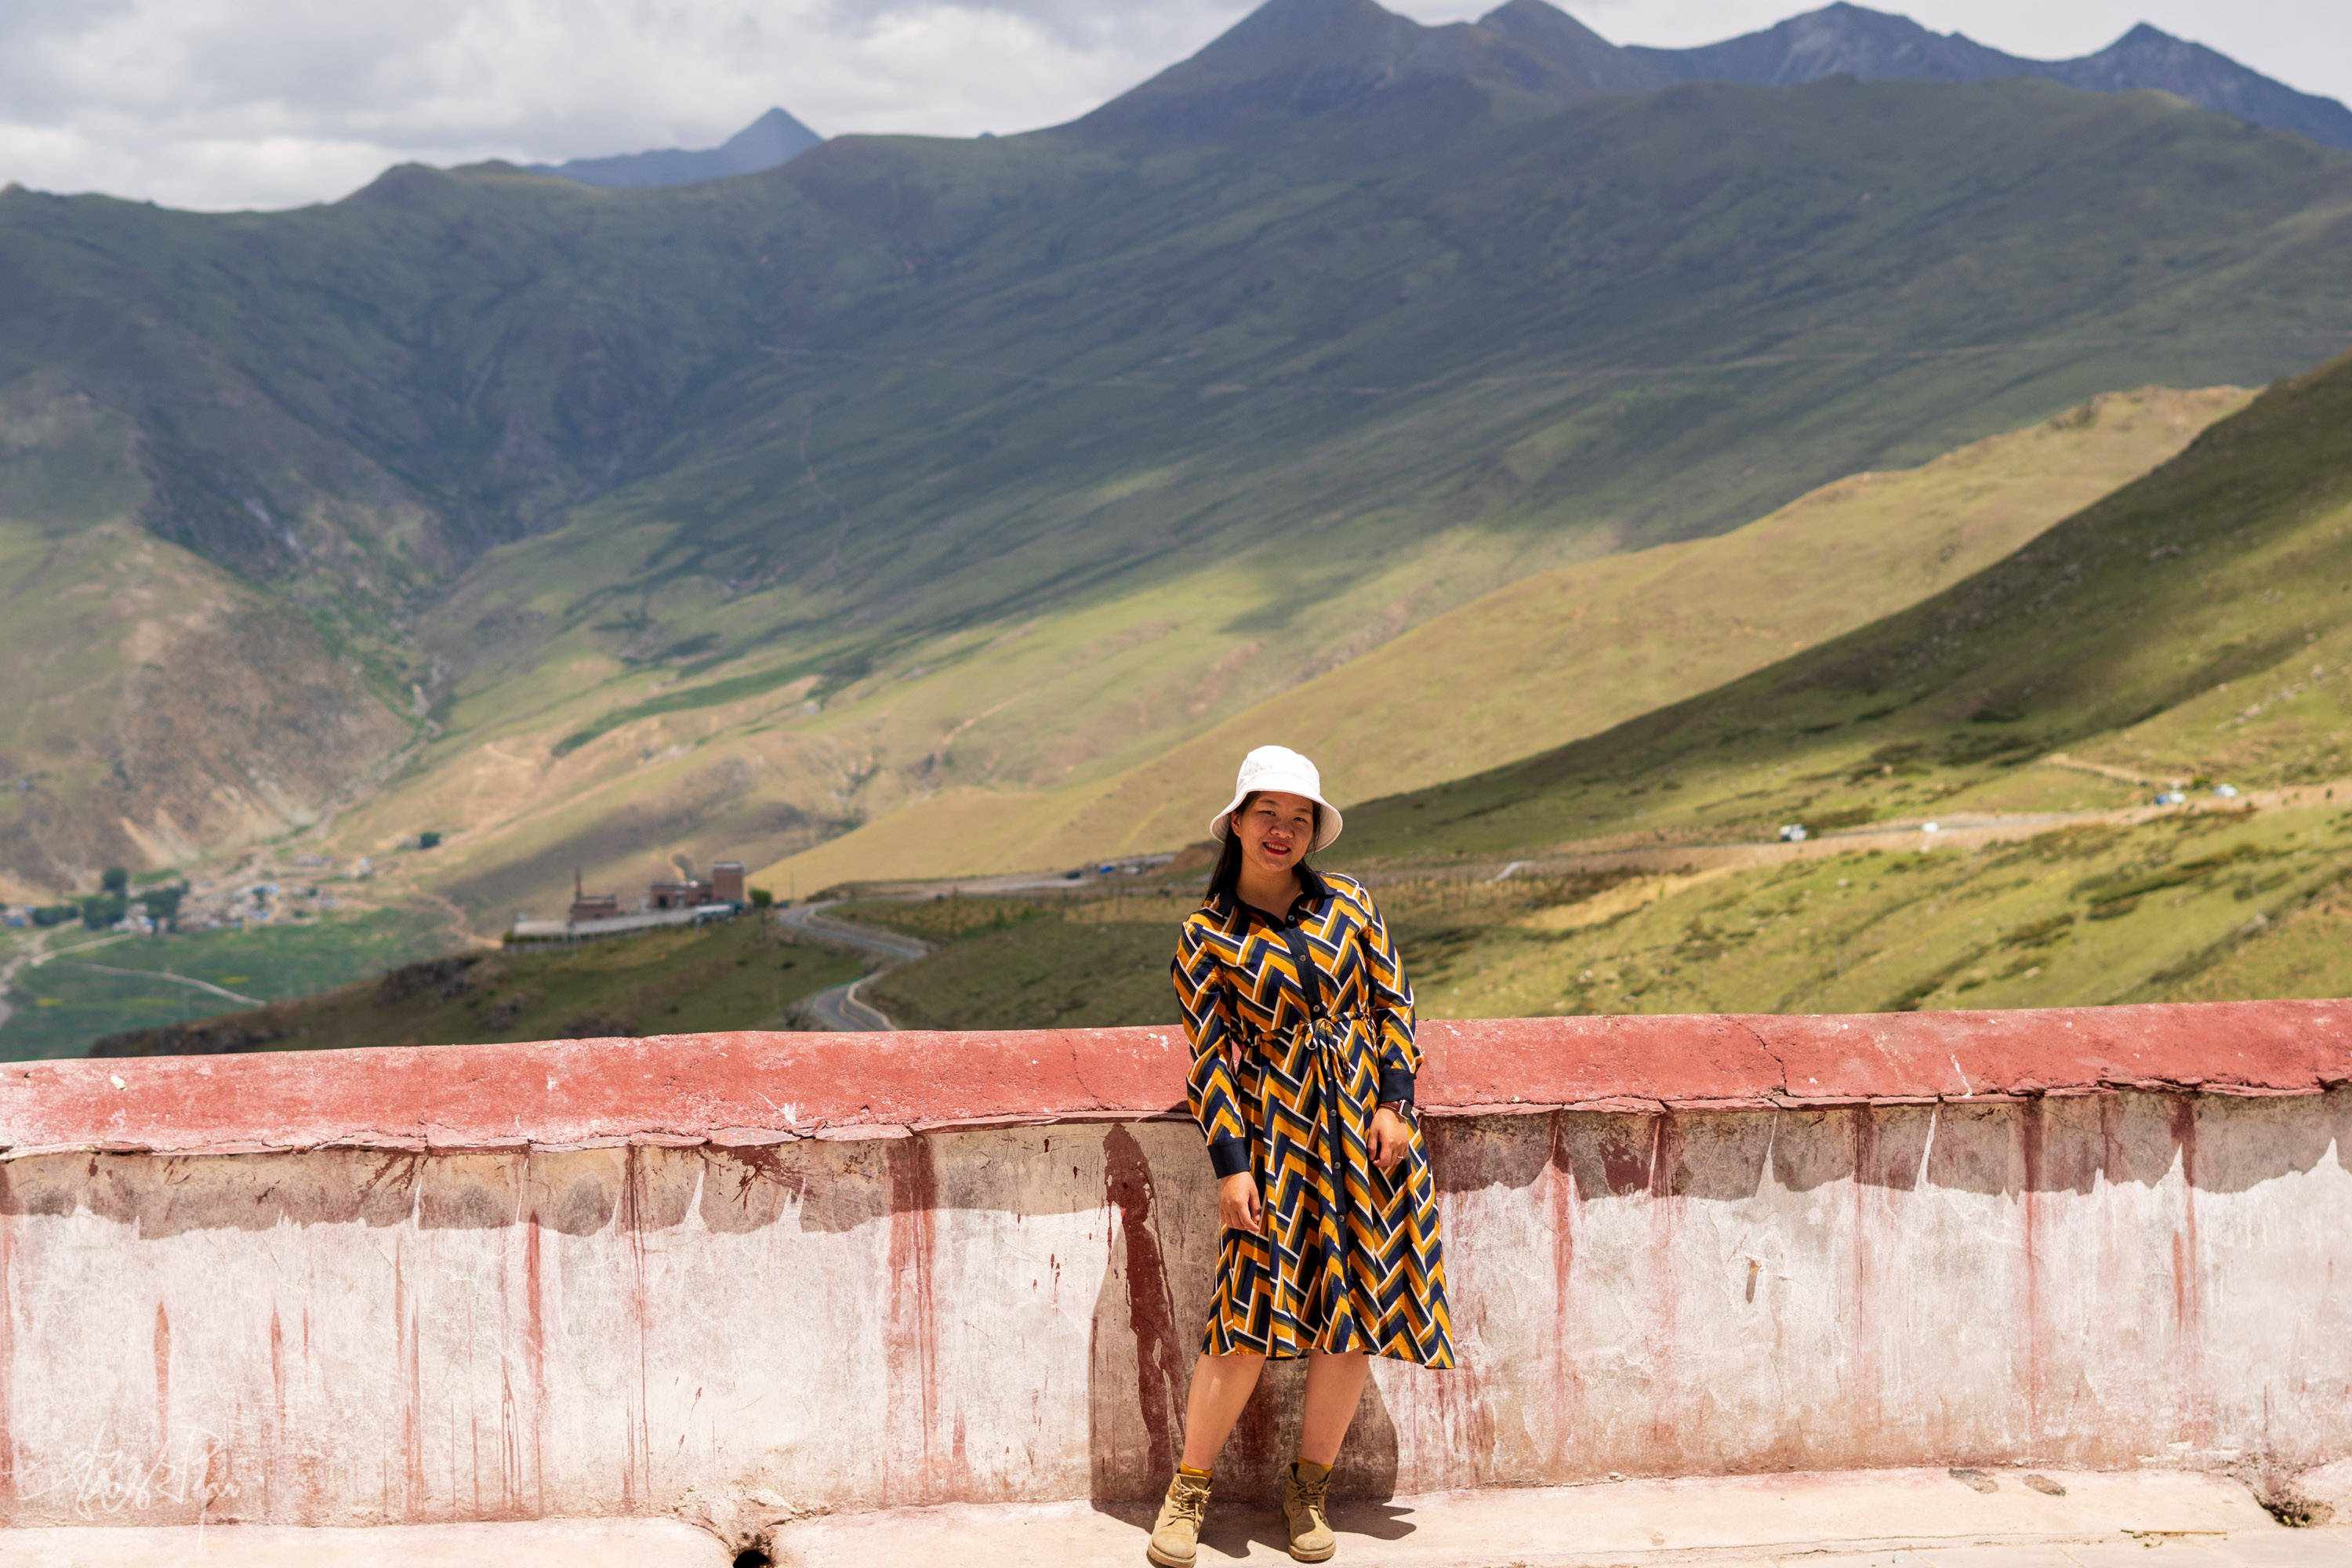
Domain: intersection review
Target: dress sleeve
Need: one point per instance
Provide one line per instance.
(1213, 1096)
(1392, 1008)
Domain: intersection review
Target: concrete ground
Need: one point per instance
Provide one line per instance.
(1892, 1519)
(536, 1544)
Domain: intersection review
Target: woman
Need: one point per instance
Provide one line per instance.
(1303, 1062)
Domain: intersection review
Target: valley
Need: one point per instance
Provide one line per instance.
(1574, 460)
(2035, 712)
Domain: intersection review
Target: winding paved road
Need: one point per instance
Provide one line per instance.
(840, 1008)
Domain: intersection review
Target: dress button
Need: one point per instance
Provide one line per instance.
(1292, 920)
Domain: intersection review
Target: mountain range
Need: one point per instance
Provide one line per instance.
(1308, 56)
(773, 140)
(589, 527)
(1319, 53)
(1871, 46)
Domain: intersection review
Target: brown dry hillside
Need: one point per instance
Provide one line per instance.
(157, 706)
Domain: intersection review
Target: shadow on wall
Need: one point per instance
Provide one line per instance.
(2219, 1143)
(1146, 1336)
(2071, 1143)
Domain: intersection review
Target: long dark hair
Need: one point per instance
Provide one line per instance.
(1225, 881)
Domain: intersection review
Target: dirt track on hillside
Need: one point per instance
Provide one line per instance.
(1963, 830)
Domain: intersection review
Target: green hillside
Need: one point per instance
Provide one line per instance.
(2197, 623)
(1567, 652)
(736, 974)
(2193, 630)
(720, 519)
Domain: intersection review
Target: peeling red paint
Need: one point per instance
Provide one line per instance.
(637, 1470)
(910, 1344)
(7, 1347)
(2029, 1145)
(1559, 1203)
(163, 1378)
(1151, 1303)
(276, 1445)
(2187, 1298)
(412, 1389)
(1864, 1382)
(1671, 1398)
(535, 1362)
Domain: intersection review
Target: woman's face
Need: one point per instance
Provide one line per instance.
(1275, 830)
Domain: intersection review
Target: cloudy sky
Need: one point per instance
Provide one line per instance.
(230, 103)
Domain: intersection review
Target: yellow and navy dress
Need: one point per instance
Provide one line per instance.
(1301, 1027)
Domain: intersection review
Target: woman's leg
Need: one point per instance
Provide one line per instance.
(1334, 1382)
(1221, 1386)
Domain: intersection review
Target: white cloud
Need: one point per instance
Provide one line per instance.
(221, 103)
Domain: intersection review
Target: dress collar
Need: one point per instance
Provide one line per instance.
(1314, 893)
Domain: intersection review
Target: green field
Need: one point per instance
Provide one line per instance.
(735, 974)
(58, 1008)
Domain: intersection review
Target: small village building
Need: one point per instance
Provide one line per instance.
(688, 901)
(725, 887)
(586, 906)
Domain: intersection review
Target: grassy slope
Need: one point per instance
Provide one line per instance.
(2212, 905)
(906, 405)
(2196, 625)
(1034, 963)
(739, 974)
(1570, 651)
(2179, 909)
(2198, 622)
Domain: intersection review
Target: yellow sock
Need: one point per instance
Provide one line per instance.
(1309, 1470)
(1189, 1470)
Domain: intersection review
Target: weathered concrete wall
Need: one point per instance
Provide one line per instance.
(640, 1276)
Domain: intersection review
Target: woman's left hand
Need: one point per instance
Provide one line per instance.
(1388, 1138)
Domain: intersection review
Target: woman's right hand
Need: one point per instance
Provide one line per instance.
(1237, 1202)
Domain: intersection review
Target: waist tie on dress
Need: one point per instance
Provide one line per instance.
(1327, 1039)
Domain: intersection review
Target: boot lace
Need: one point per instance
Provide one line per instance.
(1311, 1495)
(1188, 1499)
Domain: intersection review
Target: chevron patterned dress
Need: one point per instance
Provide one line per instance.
(1301, 1027)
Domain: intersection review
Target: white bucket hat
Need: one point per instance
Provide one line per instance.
(1278, 769)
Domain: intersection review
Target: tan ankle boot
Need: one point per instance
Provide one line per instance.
(1176, 1533)
(1311, 1540)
